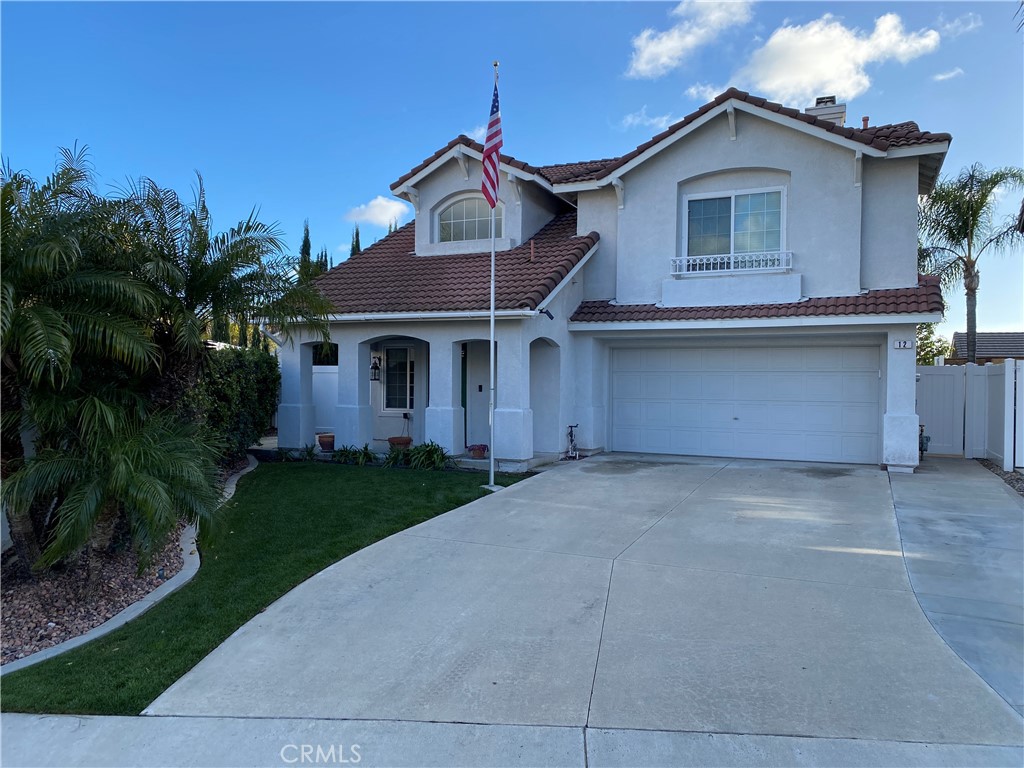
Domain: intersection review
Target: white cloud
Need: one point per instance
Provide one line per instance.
(478, 134)
(380, 212)
(643, 120)
(947, 75)
(961, 25)
(657, 53)
(824, 57)
(703, 91)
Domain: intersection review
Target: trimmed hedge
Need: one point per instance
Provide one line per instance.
(237, 395)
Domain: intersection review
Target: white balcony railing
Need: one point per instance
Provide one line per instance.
(728, 264)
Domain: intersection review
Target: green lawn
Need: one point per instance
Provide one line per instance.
(285, 523)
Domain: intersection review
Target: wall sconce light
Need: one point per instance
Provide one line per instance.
(375, 369)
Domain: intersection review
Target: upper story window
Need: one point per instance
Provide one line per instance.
(739, 231)
(468, 219)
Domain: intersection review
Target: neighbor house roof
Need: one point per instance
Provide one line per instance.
(389, 278)
(990, 344)
(881, 137)
(924, 298)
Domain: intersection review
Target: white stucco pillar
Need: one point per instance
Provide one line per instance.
(295, 413)
(445, 424)
(590, 411)
(900, 422)
(353, 421)
(513, 419)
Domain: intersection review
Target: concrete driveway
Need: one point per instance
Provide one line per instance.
(624, 594)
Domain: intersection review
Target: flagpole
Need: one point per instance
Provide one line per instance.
(490, 453)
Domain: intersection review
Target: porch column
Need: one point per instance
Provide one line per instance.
(513, 418)
(444, 420)
(900, 423)
(353, 421)
(295, 412)
(589, 409)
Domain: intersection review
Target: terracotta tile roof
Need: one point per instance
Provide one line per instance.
(882, 137)
(926, 297)
(564, 173)
(991, 344)
(389, 277)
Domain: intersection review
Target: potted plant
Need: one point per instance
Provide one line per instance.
(477, 451)
(402, 441)
(326, 440)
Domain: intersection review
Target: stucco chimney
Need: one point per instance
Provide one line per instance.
(825, 107)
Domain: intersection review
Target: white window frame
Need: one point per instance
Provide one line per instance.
(410, 379)
(679, 263)
(457, 199)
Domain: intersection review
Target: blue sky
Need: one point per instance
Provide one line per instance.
(311, 110)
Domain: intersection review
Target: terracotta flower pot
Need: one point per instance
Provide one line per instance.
(326, 441)
(477, 451)
(402, 442)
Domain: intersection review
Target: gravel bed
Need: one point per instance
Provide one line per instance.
(35, 615)
(1013, 479)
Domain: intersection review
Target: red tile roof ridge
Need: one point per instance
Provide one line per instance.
(881, 137)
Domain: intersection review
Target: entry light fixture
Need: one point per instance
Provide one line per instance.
(375, 369)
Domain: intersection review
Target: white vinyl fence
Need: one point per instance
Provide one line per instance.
(325, 397)
(975, 411)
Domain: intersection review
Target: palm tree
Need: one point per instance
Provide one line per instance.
(956, 223)
(115, 460)
(208, 280)
(60, 301)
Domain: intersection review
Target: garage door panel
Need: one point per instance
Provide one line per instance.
(686, 386)
(861, 387)
(717, 415)
(860, 358)
(787, 359)
(863, 418)
(715, 386)
(627, 413)
(718, 359)
(657, 413)
(813, 403)
(627, 360)
(657, 359)
(822, 359)
(657, 385)
(823, 387)
(627, 384)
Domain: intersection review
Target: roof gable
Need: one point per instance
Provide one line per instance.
(878, 140)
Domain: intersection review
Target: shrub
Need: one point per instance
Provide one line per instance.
(429, 455)
(237, 395)
(350, 454)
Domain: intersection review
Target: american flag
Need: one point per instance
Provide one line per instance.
(492, 152)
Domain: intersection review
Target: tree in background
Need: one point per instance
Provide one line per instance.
(205, 278)
(930, 346)
(356, 247)
(322, 264)
(957, 227)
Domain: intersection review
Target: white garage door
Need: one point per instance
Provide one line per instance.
(807, 403)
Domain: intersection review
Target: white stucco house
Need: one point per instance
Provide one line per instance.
(744, 284)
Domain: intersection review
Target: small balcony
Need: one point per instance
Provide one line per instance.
(731, 264)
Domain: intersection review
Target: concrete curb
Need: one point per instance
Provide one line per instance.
(188, 569)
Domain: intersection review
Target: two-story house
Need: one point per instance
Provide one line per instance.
(744, 284)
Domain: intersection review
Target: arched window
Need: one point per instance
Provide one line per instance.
(468, 219)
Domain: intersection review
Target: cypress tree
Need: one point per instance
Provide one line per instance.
(356, 248)
(305, 254)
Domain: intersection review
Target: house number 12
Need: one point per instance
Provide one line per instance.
(903, 344)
